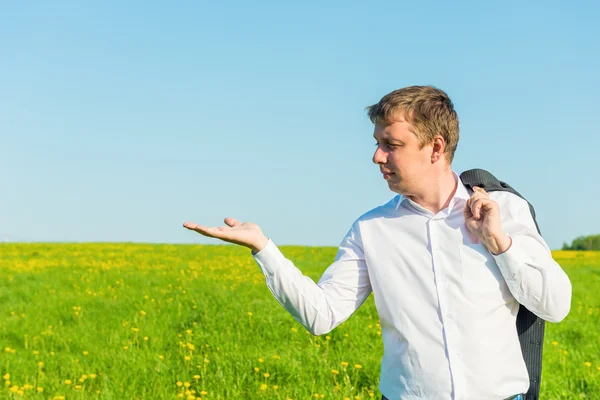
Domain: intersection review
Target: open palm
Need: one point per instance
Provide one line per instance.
(245, 234)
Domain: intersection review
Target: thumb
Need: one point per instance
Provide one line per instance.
(232, 221)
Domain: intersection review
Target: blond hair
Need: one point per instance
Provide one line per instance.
(428, 109)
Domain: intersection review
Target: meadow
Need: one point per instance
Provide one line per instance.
(135, 321)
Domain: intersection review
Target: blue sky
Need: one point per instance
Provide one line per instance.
(121, 120)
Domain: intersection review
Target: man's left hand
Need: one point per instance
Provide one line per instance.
(482, 217)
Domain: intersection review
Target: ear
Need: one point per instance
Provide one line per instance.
(438, 147)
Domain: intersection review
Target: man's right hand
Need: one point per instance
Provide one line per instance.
(244, 234)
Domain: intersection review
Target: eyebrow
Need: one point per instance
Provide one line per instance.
(389, 139)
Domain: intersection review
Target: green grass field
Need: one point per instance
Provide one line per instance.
(129, 321)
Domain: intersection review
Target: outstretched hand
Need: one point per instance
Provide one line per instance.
(245, 234)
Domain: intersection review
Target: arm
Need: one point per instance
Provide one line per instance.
(533, 277)
(321, 306)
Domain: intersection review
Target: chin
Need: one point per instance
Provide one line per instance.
(394, 188)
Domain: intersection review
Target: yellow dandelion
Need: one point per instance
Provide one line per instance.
(196, 377)
(145, 337)
(187, 384)
(190, 346)
(125, 347)
(256, 369)
(85, 353)
(204, 393)
(143, 312)
(40, 364)
(328, 337)
(92, 376)
(14, 389)
(40, 389)
(344, 364)
(84, 377)
(555, 343)
(68, 382)
(180, 384)
(263, 387)
(276, 357)
(275, 387)
(187, 358)
(189, 331)
(357, 366)
(588, 364)
(335, 372)
(161, 356)
(565, 352)
(36, 352)
(261, 360)
(266, 375)
(6, 376)
(77, 387)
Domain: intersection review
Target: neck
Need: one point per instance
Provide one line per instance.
(440, 190)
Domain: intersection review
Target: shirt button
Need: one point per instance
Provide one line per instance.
(449, 316)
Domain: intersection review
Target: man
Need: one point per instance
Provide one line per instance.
(448, 267)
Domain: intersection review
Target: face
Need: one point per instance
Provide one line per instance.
(402, 161)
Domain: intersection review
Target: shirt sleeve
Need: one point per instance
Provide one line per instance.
(535, 280)
(322, 306)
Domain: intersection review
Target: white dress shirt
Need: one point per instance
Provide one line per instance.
(446, 305)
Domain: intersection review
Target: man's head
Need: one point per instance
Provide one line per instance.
(416, 129)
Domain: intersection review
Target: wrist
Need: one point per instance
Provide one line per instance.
(499, 244)
(259, 244)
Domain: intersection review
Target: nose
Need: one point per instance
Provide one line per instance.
(380, 156)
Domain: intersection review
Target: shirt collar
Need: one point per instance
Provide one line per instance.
(461, 194)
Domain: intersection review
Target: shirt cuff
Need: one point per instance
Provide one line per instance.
(269, 258)
(512, 260)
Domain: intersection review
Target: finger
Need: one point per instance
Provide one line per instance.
(479, 190)
(467, 212)
(232, 221)
(476, 208)
(480, 206)
(205, 230)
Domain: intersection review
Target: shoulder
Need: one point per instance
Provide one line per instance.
(381, 211)
(513, 208)
(509, 200)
